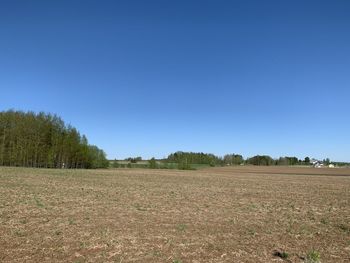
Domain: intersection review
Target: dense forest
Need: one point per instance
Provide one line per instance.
(43, 140)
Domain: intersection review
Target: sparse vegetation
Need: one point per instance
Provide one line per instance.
(225, 214)
(38, 202)
(313, 257)
(181, 227)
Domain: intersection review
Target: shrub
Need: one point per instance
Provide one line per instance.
(152, 164)
(115, 164)
(313, 257)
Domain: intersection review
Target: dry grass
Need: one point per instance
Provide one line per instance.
(242, 214)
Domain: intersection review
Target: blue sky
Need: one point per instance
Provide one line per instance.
(147, 78)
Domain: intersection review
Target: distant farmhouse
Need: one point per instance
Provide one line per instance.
(316, 163)
(319, 164)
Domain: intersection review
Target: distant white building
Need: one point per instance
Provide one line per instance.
(316, 163)
(331, 165)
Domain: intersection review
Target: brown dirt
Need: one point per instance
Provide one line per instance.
(230, 214)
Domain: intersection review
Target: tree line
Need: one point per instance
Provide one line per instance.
(43, 140)
(266, 160)
(188, 158)
(193, 158)
(187, 161)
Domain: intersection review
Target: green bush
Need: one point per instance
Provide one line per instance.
(313, 257)
(115, 164)
(152, 164)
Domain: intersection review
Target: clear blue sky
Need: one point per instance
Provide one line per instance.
(152, 77)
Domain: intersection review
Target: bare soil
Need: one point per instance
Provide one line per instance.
(230, 214)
